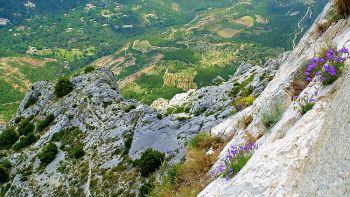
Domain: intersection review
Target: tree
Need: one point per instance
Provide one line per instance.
(63, 87)
(48, 154)
(8, 137)
(25, 127)
(4, 175)
(150, 162)
(43, 124)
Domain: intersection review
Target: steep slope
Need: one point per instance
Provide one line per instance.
(98, 134)
(302, 155)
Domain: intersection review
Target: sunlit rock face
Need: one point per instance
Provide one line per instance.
(301, 155)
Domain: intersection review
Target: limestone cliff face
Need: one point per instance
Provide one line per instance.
(301, 155)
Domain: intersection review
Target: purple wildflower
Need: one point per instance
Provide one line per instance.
(325, 68)
(306, 73)
(317, 73)
(329, 56)
(321, 60)
(295, 97)
(330, 51)
(314, 60)
(332, 71)
(339, 59)
(323, 78)
(312, 100)
(344, 50)
(308, 79)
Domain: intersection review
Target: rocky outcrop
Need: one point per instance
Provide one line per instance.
(301, 155)
(114, 131)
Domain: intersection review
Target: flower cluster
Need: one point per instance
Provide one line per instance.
(306, 102)
(236, 158)
(327, 67)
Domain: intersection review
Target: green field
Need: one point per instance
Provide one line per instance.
(202, 38)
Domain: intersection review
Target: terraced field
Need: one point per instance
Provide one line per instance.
(141, 41)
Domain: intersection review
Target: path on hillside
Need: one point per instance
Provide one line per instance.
(301, 26)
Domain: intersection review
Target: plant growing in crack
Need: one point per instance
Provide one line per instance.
(235, 160)
(306, 102)
(323, 70)
(328, 67)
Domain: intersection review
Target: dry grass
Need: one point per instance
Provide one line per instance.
(298, 84)
(342, 7)
(191, 176)
(245, 121)
(250, 139)
(322, 27)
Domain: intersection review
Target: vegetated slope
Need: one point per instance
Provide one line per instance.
(16, 76)
(83, 121)
(303, 151)
(134, 33)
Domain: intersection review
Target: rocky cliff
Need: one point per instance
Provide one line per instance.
(110, 132)
(302, 155)
(99, 134)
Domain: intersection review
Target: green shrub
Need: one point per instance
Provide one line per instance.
(76, 151)
(170, 110)
(18, 119)
(181, 118)
(247, 91)
(48, 154)
(43, 124)
(127, 144)
(145, 189)
(200, 137)
(4, 175)
(89, 69)
(307, 107)
(209, 113)
(8, 137)
(25, 141)
(6, 164)
(31, 101)
(159, 116)
(129, 108)
(182, 109)
(271, 116)
(2, 154)
(25, 127)
(235, 90)
(63, 87)
(172, 173)
(243, 102)
(149, 162)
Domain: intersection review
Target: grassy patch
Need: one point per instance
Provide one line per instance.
(271, 115)
(307, 107)
(190, 177)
